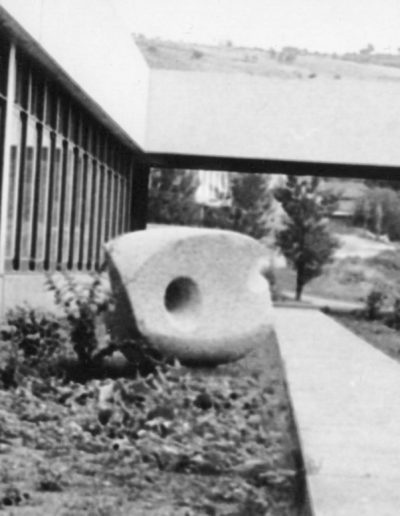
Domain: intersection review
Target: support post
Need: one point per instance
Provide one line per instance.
(139, 196)
(6, 169)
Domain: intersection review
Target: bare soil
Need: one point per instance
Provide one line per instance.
(182, 442)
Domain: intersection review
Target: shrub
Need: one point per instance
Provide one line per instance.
(387, 260)
(33, 344)
(379, 211)
(197, 54)
(374, 303)
(83, 305)
(395, 321)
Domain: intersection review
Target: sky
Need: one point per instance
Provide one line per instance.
(318, 25)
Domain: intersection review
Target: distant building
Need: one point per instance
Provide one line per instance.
(214, 188)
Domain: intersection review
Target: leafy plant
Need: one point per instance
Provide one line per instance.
(33, 342)
(48, 479)
(83, 305)
(208, 441)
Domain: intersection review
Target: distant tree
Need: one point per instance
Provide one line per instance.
(171, 197)
(288, 54)
(379, 211)
(394, 183)
(250, 207)
(368, 50)
(305, 239)
(252, 203)
(172, 201)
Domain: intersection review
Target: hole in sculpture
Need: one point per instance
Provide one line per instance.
(182, 301)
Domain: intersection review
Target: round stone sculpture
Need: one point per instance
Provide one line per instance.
(199, 295)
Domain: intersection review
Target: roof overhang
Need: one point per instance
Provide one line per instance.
(238, 121)
(256, 165)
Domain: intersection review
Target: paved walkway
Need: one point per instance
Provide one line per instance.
(325, 302)
(345, 396)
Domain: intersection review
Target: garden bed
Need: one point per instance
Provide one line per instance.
(375, 332)
(179, 442)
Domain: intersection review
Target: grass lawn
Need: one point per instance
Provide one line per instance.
(351, 279)
(375, 332)
(181, 442)
(326, 286)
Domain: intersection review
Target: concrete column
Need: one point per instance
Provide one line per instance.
(5, 173)
(139, 196)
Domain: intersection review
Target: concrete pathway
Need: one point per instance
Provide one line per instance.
(325, 302)
(345, 395)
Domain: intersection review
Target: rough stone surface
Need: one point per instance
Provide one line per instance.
(196, 294)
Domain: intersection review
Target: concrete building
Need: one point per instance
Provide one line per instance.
(72, 117)
(83, 117)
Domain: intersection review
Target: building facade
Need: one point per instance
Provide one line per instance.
(69, 173)
(83, 117)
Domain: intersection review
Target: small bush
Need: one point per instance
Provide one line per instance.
(351, 275)
(394, 318)
(374, 303)
(83, 305)
(387, 260)
(33, 343)
(197, 54)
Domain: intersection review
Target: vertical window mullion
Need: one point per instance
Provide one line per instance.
(100, 217)
(36, 196)
(28, 194)
(84, 215)
(50, 201)
(121, 204)
(74, 207)
(92, 214)
(128, 197)
(114, 230)
(20, 190)
(64, 172)
(108, 206)
(15, 156)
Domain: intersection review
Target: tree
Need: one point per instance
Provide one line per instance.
(250, 207)
(305, 239)
(378, 210)
(171, 197)
(368, 50)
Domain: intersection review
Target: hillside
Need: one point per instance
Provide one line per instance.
(289, 63)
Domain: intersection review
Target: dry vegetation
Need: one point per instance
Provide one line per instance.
(177, 442)
(288, 63)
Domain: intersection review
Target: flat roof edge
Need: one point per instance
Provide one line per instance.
(271, 166)
(32, 48)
